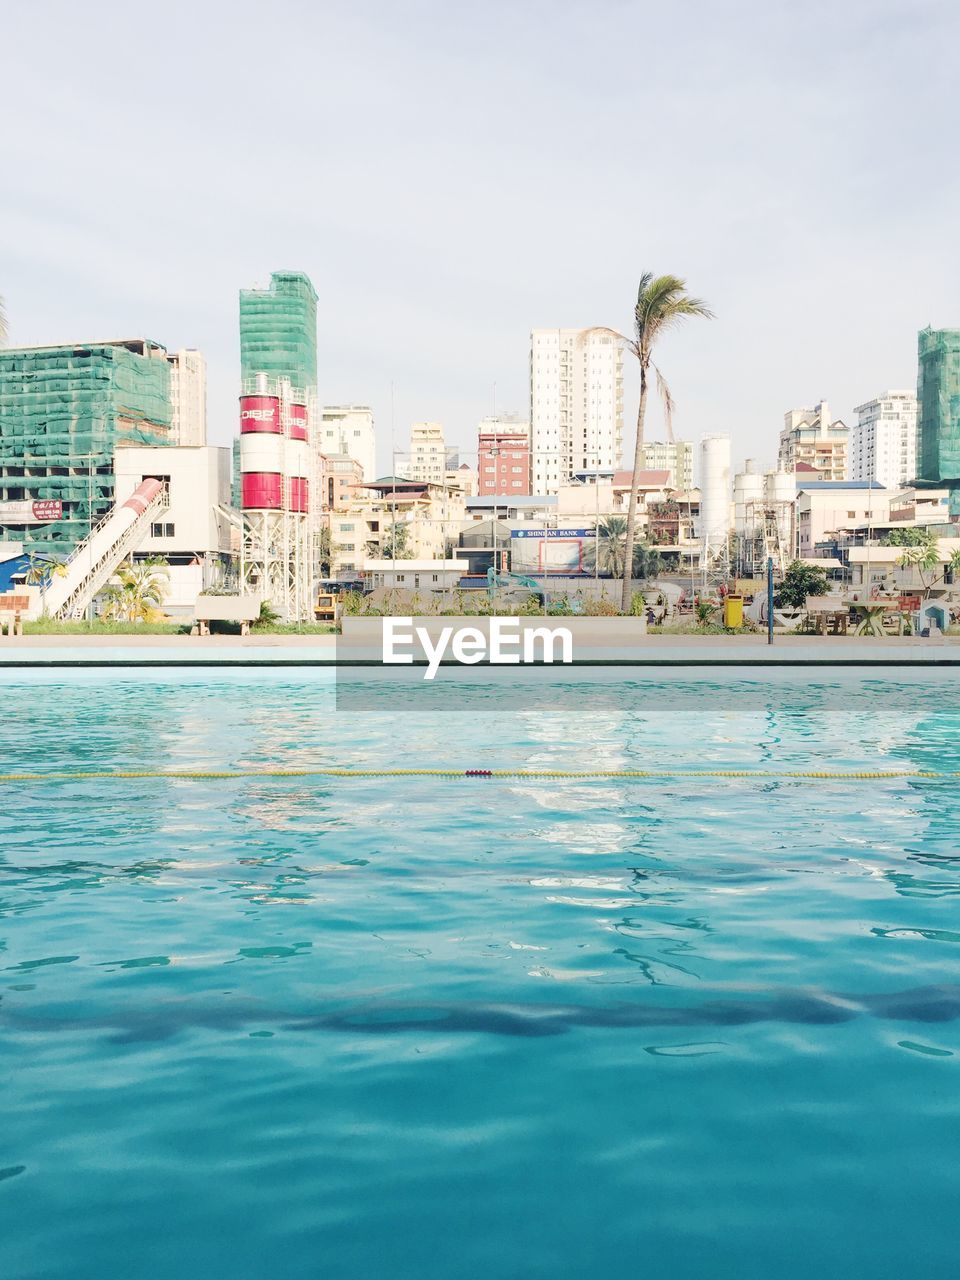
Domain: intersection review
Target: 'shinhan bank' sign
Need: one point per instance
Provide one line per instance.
(499, 642)
(550, 550)
(31, 511)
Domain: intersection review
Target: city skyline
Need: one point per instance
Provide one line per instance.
(787, 196)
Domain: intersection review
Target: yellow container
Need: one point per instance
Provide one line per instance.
(733, 611)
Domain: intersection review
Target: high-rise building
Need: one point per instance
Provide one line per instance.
(349, 429)
(428, 453)
(883, 440)
(812, 437)
(576, 405)
(64, 411)
(674, 456)
(278, 330)
(503, 456)
(188, 397)
(938, 396)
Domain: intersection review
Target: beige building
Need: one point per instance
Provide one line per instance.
(428, 453)
(349, 429)
(576, 405)
(675, 457)
(427, 519)
(340, 478)
(811, 437)
(188, 397)
(824, 508)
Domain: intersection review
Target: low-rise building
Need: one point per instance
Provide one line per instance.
(824, 507)
(396, 518)
(416, 574)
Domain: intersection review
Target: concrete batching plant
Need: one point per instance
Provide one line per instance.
(275, 466)
(764, 527)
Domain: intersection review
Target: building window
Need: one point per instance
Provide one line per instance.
(162, 530)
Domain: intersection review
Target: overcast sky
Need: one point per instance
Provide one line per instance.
(451, 175)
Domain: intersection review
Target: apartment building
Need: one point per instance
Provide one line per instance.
(576, 404)
(883, 441)
(812, 437)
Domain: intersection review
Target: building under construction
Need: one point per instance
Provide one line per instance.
(938, 399)
(64, 410)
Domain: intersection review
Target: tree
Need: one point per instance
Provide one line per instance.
(326, 549)
(40, 569)
(904, 538)
(3, 324)
(662, 303)
(923, 554)
(799, 581)
(609, 545)
(609, 548)
(137, 590)
(395, 545)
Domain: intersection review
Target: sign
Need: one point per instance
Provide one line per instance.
(553, 533)
(31, 511)
(551, 550)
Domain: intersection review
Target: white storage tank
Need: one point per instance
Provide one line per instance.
(747, 492)
(715, 512)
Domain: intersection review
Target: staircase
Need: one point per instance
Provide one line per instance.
(97, 558)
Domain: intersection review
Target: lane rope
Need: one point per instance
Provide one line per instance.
(200, 775)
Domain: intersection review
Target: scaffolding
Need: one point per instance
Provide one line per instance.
(278, 330)
(64, 411)
(767, 534)
(938, 400)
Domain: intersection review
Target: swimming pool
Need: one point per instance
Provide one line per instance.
(426, 1027)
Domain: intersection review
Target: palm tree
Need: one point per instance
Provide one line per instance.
(924, 556)
(609, 550)
(137, 590)
(609, 546)
(3, 324)
(662, 302)
(40, 569)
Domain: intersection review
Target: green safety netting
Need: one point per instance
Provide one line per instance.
(278, 330)
(938, 395)
(63, 412)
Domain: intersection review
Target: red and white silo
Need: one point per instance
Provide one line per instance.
(297, 459)
(261, 453)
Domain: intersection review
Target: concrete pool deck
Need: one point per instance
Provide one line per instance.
(595, 646)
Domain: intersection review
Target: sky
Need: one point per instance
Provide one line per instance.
(452, 175)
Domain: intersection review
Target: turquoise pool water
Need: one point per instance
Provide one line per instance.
(440, 1029)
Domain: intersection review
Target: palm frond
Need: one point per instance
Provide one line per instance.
(668, 403)
(622, 338)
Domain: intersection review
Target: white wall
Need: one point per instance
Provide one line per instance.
(199, 483)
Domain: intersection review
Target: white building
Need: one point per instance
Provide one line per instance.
(428, 453)
(349, 429)
(576, 405)
(188, 397)
(883, 442)
(675, 456)
(825, 507)
(194, 535)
